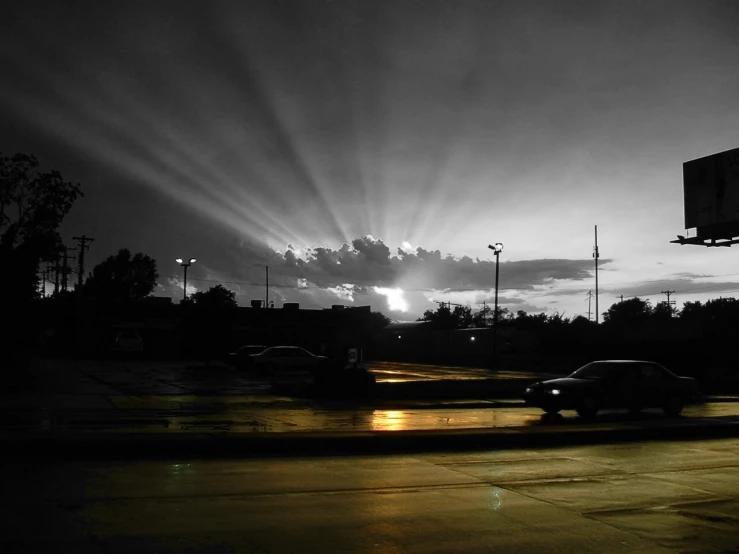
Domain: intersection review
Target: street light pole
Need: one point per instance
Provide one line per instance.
(185, 265)
(497, 248)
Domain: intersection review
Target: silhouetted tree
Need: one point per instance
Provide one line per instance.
(692, 311)
(378, 321)
(557, 320)
(217, 297)
(212, 318)
(633, 310)
(445, 318)
(663, 312)
(721, 316)
(484, 317)
(442, 318)
(463, 316)
(581, 322)
(122, 277)
(522, 320)
(32, 206)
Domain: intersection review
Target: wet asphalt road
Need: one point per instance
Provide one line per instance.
(120, 396)
(177, 415)
(654, 497)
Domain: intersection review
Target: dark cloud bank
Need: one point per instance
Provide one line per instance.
(370, 262)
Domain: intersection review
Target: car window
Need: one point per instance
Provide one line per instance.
(625, 372)
(651, 372)
(251, 349)
(594, 370)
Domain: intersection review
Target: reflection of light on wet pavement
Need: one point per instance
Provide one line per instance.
(388, 420)
(423, 420)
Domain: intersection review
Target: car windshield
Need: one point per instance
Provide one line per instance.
(251, 349)
(594, 370)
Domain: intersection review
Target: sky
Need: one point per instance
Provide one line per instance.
(368, 152)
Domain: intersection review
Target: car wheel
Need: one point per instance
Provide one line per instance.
(673, 405)
(552, 410)
(588, 407)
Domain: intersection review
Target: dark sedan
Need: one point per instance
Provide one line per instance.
(241, 358)
(629, 384)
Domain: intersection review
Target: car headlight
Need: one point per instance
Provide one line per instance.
(554, 391)
(529, 390)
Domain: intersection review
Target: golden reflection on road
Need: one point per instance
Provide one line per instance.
(420, 420)
(389, 420)
(237, 418)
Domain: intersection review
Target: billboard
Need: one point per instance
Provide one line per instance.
(711, 193)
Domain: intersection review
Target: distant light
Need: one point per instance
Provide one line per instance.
(395, 300)
(400, 337)
(472, 339)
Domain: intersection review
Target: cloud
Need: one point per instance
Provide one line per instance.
(680, 286)
(368, 261)
(395, 299)
(174, 287)
(362, 271)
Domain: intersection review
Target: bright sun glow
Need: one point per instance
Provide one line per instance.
(406, 245)
(395, 300)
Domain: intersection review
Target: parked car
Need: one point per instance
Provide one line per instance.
(128, 342)
(241, 357)
(630, 384)
(287, 364)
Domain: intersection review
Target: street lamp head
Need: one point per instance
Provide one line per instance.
(179, 260)
(192, 260)
(497, 247)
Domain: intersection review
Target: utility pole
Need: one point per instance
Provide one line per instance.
(596, 255)
(65, 267)
(57, 272)
(266, 290)
(621, 297)
(590, 298)
(83, 240)
(669, 302)
(47, 278)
